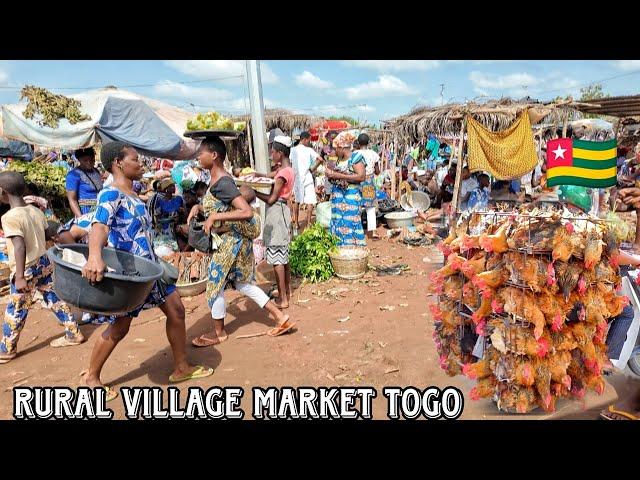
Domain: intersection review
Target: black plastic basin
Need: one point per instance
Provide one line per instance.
(119, 292)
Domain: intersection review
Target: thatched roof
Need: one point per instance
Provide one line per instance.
(284, 120)
(621, 107)
(495, 115)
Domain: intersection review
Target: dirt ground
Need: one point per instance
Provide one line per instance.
(369, 332)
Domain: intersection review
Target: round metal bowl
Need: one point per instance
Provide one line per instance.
(192, 289)
(420, 201)
(399, 219)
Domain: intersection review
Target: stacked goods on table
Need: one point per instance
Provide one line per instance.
(214, 121)
(506, 291)
(192, 266)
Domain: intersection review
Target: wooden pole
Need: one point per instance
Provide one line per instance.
(456, 186)
(249, 139)
(393, 171)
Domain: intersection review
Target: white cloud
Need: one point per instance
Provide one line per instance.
(308, 79)
(4, 78)
(627, 65)
(481, 92)
(394, 65)
(221, 68)
(366, 108)
(492, 81)
(191, 94)
(386, 85)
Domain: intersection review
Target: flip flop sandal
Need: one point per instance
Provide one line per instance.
(6, 358)
(612, 414)
(206, 342)
(199, 372)
(64, 342)
(282, 329)
(111, 394)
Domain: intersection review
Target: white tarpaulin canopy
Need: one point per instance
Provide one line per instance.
(153, 127)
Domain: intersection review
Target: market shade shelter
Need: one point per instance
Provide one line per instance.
(494, 115)
(154, 128)
(621, 107)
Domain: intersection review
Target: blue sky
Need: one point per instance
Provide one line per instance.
(372, 90)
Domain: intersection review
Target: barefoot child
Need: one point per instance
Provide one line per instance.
(25, 225)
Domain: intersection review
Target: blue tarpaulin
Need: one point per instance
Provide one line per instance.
(135, 123)
(16, 149)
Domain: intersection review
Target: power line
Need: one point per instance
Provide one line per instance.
(636, 72)
(143, 85)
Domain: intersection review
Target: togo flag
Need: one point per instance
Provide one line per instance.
(580, 162)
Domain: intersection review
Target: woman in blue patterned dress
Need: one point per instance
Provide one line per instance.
(346, 197)
(122, 221)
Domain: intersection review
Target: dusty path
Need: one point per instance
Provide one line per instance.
(373, 347)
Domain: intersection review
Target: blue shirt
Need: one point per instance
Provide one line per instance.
(128, 220)
(79, 181)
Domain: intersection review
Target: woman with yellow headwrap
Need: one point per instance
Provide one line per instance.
(346, 197)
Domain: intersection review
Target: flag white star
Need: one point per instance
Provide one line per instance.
(559, 152)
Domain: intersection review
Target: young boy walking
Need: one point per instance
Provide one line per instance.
(24, 226)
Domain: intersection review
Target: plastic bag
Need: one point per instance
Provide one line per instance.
(323, 214)
(619, 227)
(576, 195)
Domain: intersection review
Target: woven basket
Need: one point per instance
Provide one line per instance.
(350, 263)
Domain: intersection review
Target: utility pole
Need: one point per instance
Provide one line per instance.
(258, 126)
(442, 94)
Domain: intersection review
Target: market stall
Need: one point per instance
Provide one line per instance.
(523, 304)
(152, 127)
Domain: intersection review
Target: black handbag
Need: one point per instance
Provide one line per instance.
(198, 239)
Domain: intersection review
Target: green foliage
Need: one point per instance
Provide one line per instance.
(50, 180)
(309, 254)
(592, 92)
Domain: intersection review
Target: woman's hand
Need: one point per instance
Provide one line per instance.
(94, 269)
(195, 210)
(330, 174)
(21, 284)
(208, 225)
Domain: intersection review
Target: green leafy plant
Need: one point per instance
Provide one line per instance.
(50, 180)
(309, 254)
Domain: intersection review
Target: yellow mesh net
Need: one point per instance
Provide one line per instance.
(506, 155)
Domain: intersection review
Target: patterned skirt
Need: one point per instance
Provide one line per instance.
(346, 222)
(278, 255)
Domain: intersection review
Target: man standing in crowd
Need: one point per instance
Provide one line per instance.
(304, 161)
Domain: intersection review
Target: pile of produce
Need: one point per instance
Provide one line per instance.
(50, 180)
(214, 121)
(49, 108)
(192, 266)
(309, 254)
(513, 279)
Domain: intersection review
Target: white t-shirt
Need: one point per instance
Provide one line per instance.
(371, 158)
(466, 186)
(440, 174)
(302, 158)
